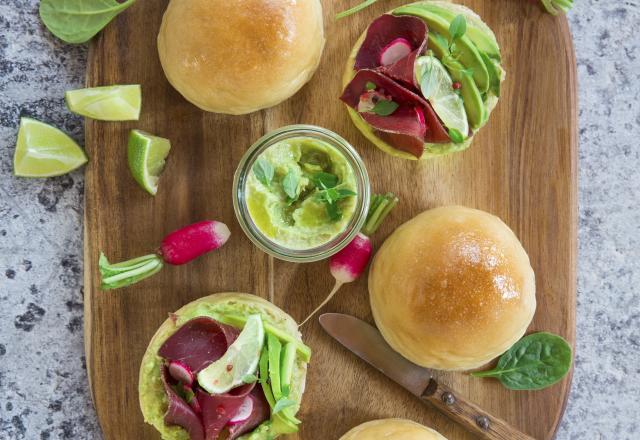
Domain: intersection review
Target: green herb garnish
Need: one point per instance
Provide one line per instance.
(330, 198)
(534, 362)
(77, 21)
(282, 404)
(370, 85)
(325, 180)
(264, 171)
(290, 185)
(384, 107)
(457, 27)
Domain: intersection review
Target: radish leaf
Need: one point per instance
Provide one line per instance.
(77, 21)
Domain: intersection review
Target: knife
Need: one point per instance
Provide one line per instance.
(366, 342)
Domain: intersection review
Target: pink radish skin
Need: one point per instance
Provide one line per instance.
(181, 372)
(190, 242)
(394, 51)
(244, 412)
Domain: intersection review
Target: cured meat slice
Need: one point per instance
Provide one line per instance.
(217, 410)
(410, 125)
(383, 34)
(259, 414)
(198, 343)
(179, 412)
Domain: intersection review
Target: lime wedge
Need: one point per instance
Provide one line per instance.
(147, 156)
(45, 151)
(111, 103)
(437, 88)
(240, 360)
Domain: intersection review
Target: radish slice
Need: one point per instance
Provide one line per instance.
(244, 412)
(394, 51)
(181, 372)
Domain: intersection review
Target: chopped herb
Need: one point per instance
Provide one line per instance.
(283, 404)
(325, 180)
(290, 185)
(264, 171)
(370, 85)
(384, 107)
(458, 27)
(456, 136)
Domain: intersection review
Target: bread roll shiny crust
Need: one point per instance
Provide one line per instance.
(239, 56)
(452, 288)
(392, 429)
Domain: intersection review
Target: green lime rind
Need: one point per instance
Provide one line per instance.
(45, 151)
(147, 157)
(109, 103)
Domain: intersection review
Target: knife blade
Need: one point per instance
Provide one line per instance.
(366, 342)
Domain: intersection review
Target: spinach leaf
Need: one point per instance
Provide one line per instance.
(263, 170)
(290, 185)
(77, 21)
(534, 362)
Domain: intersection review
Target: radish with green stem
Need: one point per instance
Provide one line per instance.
(179, 247)
(348, 264)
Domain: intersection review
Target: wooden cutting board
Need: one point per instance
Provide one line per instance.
(522, 167)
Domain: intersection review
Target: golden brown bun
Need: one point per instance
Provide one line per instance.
(452, 288)
(239, 56)
(392, 429)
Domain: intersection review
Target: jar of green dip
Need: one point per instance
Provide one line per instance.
(301, 193)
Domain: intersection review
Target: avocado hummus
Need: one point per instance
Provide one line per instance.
(301, 193)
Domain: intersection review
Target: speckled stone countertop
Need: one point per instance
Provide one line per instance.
(43, 383)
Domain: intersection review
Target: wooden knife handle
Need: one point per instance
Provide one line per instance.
(468, 414)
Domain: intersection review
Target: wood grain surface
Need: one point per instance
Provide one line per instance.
(522, 167)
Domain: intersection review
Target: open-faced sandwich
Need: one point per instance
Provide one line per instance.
(423, 79)
(227, 366)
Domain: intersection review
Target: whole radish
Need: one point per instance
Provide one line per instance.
(348, 264)
(179, 247)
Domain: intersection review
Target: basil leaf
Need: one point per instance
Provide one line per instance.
(249, 378)
(325, 180)
(282, 404)
(534, 362)
(77, 21)
(290, 185)
(343, 193)
(263, 170)
(384, 107)
(458, 27)
(333, 211)
(370, 85)
(456, 136)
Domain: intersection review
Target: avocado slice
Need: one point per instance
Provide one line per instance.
(239, 321)
(286, 367)
(494, 75)
(469, 56)
(263, 367)
(281, 425)
(484, 41)
(471, 96)
(274, 347)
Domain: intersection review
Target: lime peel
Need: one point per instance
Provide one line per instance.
(146, 158)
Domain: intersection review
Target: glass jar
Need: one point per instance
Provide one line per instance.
(341, 239)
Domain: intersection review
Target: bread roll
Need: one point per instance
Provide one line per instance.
(392, 429)
(239, 56)
(452, 288)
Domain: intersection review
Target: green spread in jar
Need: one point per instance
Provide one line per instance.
(301, 193)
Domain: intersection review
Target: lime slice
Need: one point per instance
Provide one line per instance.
(147, 156)
(45, 151)
(111, 103)
(437, 88)
(240, 360)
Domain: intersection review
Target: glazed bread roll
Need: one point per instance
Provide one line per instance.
(452, 288)
(396, 429)
(239, 56)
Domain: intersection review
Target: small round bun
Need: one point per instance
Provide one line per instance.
(239, 56)
(452, 288)
(396, 429)
(153, 402)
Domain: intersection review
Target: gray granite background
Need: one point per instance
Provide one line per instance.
(43, 385)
